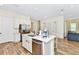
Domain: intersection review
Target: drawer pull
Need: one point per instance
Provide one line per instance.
(26, 41)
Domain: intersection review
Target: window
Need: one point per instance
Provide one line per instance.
(73, 27)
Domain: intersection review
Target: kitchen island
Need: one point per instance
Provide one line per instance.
(37, 45)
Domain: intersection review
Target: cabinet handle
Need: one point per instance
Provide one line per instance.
(26, 41)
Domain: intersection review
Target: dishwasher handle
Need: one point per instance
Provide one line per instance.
(37, 42)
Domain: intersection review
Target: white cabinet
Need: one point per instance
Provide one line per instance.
(16, 36)
(19, 20)
(48, 47)
(16, 22)
(27, 42)
(35, 25)
(6, 29)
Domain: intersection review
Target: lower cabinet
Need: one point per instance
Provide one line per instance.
(36, 47)
(16, 37)
(32, 45)
(27, 42)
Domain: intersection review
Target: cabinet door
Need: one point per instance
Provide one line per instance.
(27, 43)
(24, 42)
(30, 44)
(35, 26)
(16, 36)
(6, 29)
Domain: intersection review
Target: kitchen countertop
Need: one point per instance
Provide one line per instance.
(40, 38)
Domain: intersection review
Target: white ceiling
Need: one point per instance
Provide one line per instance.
(42, 11)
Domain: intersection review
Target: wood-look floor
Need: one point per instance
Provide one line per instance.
(11, 48)
(65, 47)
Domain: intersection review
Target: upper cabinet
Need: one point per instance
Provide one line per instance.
(21, 20)
(35, 26)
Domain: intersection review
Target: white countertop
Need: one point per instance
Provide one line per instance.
(40, 38)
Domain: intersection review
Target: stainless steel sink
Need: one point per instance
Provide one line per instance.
(31, 35)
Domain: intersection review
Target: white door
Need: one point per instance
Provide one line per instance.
(30, 44)
(54, 27)
(6, 29)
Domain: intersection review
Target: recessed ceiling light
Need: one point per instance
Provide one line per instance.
(35, 8)
(61, 11)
